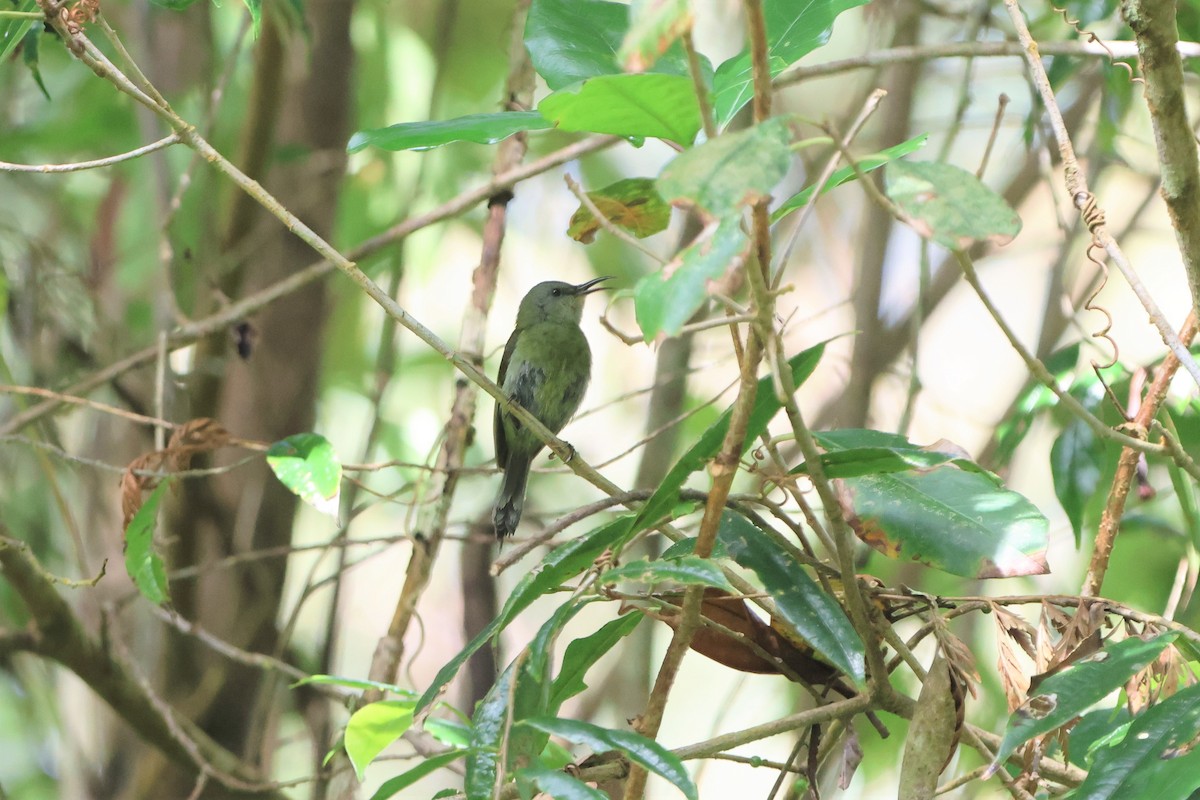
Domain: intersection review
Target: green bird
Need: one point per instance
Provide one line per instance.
(545, 368)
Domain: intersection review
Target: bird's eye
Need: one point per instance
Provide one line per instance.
(556, 292)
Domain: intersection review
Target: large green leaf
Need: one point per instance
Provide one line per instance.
(665, 300)
(427, 766)
(373, 727)
(868, 163)
(794, 29)
(949, 205)
(13, 31)
(1154, 759)
(649, 105)
(729, 172)
(1077, 466)
(688, 570)
(583, 653)
(142, 560)
(561, 564)
(959, 521)
(1066, 695)
(851, 452)
(645, 752)
(307, 465)
(572, 40)
(816, 616)
(559, 785)
(766, 405)
(487, 732)
(478, 128)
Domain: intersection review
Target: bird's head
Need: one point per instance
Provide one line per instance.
(556, 301)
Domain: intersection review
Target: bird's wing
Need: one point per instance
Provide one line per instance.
(497, 423)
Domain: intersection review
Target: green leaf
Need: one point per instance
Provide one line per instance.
(654, 25)
(561, 564)
(632, 204)
(866, 164)
(29, 55)
(949, 205)
(689, 570)
(428, 766)
(1077, 466)
(583, 653)
(650, 105)
(665, 300)
(687, 547)
(1152, 760)
(851, 452)
(142, 561)
(306, 464)
(560, 785)
(448, 731)
(487, 732)
(255, 9)
(532, 693)
(373, 727)
(14, 31)
(572, 40)
(1035, 399)
(731, 171)
(478, 128)
(814, 615)
(794, 29)
(1067, 694)
(646, 752)
(765, 406)
(960, 522)
(353, 683)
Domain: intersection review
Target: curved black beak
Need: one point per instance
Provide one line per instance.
(587, 287)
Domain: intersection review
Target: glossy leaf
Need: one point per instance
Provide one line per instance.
(640, 750)
(487, 732)
(142, 561)
(561, 564)
(1153, 760)
(531, 695)
(448, 731)
(766, 405)
(373, 727)
(868, 163)
(960, 522)
(731, 171)
(560, 785)
(1072, 691)
(650, 105)
(632, 204)
(794, 29)
(353, 683)
(13, 31)
(654, 25)
(852, 452)
(1077, 466)
(392, 786)
(572, 40)
(582, 654)
(688, 570)
(307, 465)
(478, 128)
(801, 603)
(665, 300)
(950, 206)
(29, 55)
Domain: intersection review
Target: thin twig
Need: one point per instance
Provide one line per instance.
(79, 166)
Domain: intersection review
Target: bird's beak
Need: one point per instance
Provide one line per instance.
(587, 287)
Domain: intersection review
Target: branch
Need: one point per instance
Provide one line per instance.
(1157, 36)
(79, 166)
(60, 636)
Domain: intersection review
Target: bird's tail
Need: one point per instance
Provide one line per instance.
(511, 501)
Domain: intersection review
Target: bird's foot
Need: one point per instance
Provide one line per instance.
(570, 453)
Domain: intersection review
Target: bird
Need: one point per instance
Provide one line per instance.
(545, 368)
